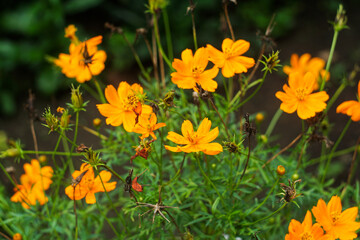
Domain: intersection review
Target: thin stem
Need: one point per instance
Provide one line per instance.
(333, 150)
(272, 214)
(51, 153)
(177, 173)
(113, 172)
(222, 120)
(99, 90)
(93, 132)
(111, 225)
(4, 235)
(209, 180)
(332, 49)
(91, 91)
(266, 198)
(156, 29)
(273, 122)
(168, 34)
(191, 9)
(6, 228)
(228, 20)
(283, 150)
(336, 154)
(67, 149)
(76, 131)
(335, 96)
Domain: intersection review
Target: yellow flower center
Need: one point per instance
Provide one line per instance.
(301, 93)
(228, 53)
(131, 102)
(334, 216)
(196, 71)
(307, 236)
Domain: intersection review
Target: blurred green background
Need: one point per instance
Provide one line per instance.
(34, 29)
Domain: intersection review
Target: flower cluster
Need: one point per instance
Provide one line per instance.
(337, 224)
(298, 96)
(126, 106)
(84, 59)
(190, 70)
(34, 183)
(351, 108)
(304, 64)
(86, 185)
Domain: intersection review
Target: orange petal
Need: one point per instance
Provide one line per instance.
(177, 138)
(240, 47)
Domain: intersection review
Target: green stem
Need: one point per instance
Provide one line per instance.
(99, 90)
(91, 91)
(52, 152)
(192, 7)
(272, 214)
(208, 179)
(266, 198)
(335, 96)
(6, 228)
(67, 149)
(113, 172)
(333, 150)
(273, 122)
(332, 49)
(111, 225)
(177, 173)
(157, 37)
(76, 131)
(168, 34)
(323, 157)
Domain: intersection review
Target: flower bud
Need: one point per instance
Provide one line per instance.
(12, 152)
(64, 120)
(280, 170)
(42, 158)
(97, 122)
(263, 138)
(76, 98)
(169, 99)
(295, 176)
(17, 236)
(259, 118)
(213, 166)
(51, 121)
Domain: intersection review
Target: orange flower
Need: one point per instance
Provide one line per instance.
(339, 224)
(89, 185)
(147, 125)
(351, 108)
(198, 141)
(70, 33)
(125, 105)
(305, 230)
(229, 60)
(33, 184)
(191, 71)
(306, 64)
(84, 60)
(298, 96)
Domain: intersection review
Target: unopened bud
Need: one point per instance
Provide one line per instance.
(213, 165)
(295, 176)
(12, 152)
(42, 158)
(264, 138)
(17, 236)
(64, 120)
(169, 98)
(51, 121)
(76, 98)
(259, 118)
(280, 170)
(97, 122)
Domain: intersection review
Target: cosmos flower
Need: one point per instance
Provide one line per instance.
(125, 105)
(199, 141)
(306, 64)
(87, 185)
(298, 96)
(190, 71)
(351, 108)
(83, 61)
(147, 125)
(337, 223)
(306, 230)
(230, 60)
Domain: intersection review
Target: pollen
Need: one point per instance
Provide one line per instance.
(301, 93)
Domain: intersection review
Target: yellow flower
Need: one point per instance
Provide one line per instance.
(33, 184)
(306, 64)
(190, 70)
(84, 60)
(70, 33)
(230, 60)
(341, 225)
(306, 230)
(147, 125)
(199, 141)
(298, 96)
(125, 105)
(351, 108)
(88, 185)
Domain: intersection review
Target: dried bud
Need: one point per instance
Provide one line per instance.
(232, 147)
(81, 148)
(169, 99)
(289, 191)
(280, 170)
(10, 170)
(155, 107)
(97, 122)
(76, 98)
(196, 97)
